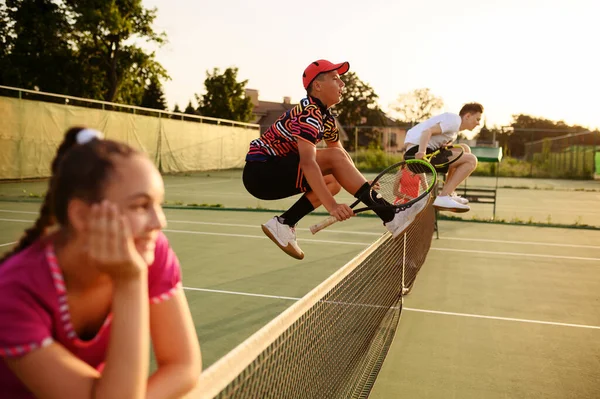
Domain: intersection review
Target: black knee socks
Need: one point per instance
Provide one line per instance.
(369, 198)
(301, 208)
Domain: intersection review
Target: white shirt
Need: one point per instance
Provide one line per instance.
(449, 123)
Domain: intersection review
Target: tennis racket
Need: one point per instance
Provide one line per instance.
(445, 156)
(397, 187)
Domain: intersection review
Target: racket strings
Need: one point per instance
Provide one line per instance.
(405, 182)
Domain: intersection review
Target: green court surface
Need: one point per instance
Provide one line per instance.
(497, 311)
(566, 202)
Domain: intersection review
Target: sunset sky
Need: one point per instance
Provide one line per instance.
(527, 56)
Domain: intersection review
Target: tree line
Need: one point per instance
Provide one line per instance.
(93, 49)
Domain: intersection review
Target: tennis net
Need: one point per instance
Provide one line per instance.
(332, 342)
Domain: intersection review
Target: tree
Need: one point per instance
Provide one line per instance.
(153, 96)
(190, 110)
(525, 129)
(225, 97)
(176, 108)
(5, 42)
(418, 105)
(34, 47)
(104, 31)
(79, 47)
(359, 113)
(358, 101)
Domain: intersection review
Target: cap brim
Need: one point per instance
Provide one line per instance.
(341, 68)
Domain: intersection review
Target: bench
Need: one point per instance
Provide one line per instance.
(482, 195)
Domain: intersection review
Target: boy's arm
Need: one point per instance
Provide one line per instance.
(425, 137)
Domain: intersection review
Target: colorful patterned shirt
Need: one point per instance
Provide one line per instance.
(34, 310)
(309, 121)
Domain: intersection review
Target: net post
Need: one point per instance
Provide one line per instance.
(404, 263)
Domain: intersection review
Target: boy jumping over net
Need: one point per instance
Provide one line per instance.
(285, 161)
(436, 132)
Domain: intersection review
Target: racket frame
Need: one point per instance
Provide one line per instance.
(398, 207)
(429, 157)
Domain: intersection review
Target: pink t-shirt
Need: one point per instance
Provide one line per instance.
(34, 310)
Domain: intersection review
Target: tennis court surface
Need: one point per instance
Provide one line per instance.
(496, 312)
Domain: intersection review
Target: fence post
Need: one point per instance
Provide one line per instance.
(530, 157)
(356, 145)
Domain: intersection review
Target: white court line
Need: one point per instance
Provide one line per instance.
(8, 243)
(552, 323)
(521, 210)
(196, 184)
(550, 244)
(478, 316)
(472, 251)
(362, 243)
(379, 233)
(288, 298)
(265, 237)
(222, 193)
(253, 226)
(17, 220)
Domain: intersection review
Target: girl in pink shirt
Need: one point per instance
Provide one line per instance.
(92, 281)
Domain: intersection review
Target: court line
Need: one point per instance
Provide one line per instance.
(477, 316)
(290, 298)
(549, 244)
(473, 251)
(196, 184)
(255, 226)
(8, 243)
(378, 234)
(264, 237)
(364, 243)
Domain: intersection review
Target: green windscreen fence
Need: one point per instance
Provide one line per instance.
(30, 132)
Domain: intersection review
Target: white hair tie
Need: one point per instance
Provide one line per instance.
(86, 135)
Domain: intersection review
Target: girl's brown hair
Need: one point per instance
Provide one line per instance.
(78, 171)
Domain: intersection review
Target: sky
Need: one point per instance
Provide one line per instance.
(536, 57)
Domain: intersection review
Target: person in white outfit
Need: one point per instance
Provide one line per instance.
(436, 132)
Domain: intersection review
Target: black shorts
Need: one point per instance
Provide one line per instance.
(279, 177)
(411, 152)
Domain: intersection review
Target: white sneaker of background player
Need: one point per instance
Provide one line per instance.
(284, 236)
(404, 218)
(458, 198)
(446, 203)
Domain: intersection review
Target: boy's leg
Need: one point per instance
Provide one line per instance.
(336, 162)
(308, 203)
(458, 172)
(275, 179)
(467, 150)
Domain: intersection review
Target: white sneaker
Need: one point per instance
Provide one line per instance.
(284, 236)
(404, 218)
(458, 198)
(446, 203)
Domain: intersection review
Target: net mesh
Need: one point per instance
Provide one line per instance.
(332, 342)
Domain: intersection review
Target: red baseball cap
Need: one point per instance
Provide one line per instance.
(320, 66)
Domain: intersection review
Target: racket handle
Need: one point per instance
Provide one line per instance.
(315, 228)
